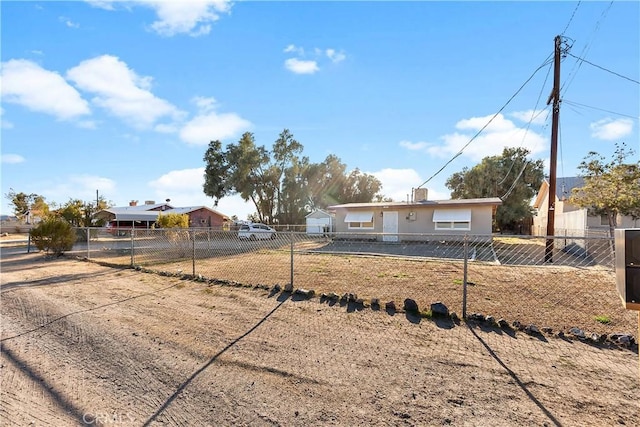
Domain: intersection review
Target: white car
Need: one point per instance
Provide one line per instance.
(256, 232)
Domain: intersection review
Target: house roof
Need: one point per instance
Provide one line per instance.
(189, 209)
(128, 215)
(319, 213)
(564, 188)
(491, 201)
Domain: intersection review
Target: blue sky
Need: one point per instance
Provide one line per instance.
(123, 97)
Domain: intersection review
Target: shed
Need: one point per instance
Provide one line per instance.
(319, 222)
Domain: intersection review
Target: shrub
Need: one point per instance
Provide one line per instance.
(53, 235)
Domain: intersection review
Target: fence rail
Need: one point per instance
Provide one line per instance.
(502, 276)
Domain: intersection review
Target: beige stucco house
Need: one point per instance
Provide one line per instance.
(570, 220)
(402, 221)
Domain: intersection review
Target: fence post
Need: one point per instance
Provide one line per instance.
(291, 263)
(193, 254)
(132, 247)
(464, 279)
(88, 243)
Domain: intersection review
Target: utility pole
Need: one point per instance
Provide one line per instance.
(555, 96)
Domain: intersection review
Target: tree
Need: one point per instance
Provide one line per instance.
(511, 176)
(173, 220)
(611, 188)
(282, 184)
(24, 204)
(53, 234)
(329, 184)
(80, 213)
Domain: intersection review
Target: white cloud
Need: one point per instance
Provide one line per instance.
(610, 129)
(415, 146)
(537, 117)
(68, 22)
(211, 126)
(81, 187)
(499, 134)
(295, 49)
(26, 83)
(192, 17)
(398, 184)
(4, 124)
(299, 66)
(335, 56)
(121, 91)
(12, 158)
(184, 188)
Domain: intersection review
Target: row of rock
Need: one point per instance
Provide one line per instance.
(411, 306)
(621, 339)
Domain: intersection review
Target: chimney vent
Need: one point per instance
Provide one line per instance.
(419, 195)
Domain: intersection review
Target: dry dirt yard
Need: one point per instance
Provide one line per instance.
(85, 344)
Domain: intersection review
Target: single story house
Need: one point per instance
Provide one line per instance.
(319, 222)
(571, 220)
(395, 221)
(144, 216)
(202, 216)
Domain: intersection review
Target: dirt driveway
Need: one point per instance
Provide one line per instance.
(84, 344)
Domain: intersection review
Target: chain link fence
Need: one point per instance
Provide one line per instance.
(557, 282)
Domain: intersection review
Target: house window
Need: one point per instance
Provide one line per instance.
(604, 219)
(452, 219)
(359, 220)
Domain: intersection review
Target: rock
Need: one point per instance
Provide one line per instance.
(490, 319)
(532, 330)
(455, 318)
(288, 287)
(305, 293)
(504, 324)
(333, 296)
(479, 317)
(516, 324)
(577, 332)
(375, 302)
(410, 306)
(624, 340)
(276, 288)
(439, 309)
(390, 306)
(547, 330)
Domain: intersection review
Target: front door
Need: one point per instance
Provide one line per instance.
(389, 226)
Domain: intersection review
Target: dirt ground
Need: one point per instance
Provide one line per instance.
(84, 344)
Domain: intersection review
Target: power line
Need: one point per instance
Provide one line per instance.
(585, 49)
(529, 124)
(546, 62)
(577, 104)
(604, 69)
(570, 19)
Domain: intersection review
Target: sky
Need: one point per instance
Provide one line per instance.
(121, 98)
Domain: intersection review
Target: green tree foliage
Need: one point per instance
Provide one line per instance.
(53, 235)
(330, 184)
(610, 188)
(173, 220)
(176, 232)
(23, 203)
(80, 214)
(282, 184)
(511, 176)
